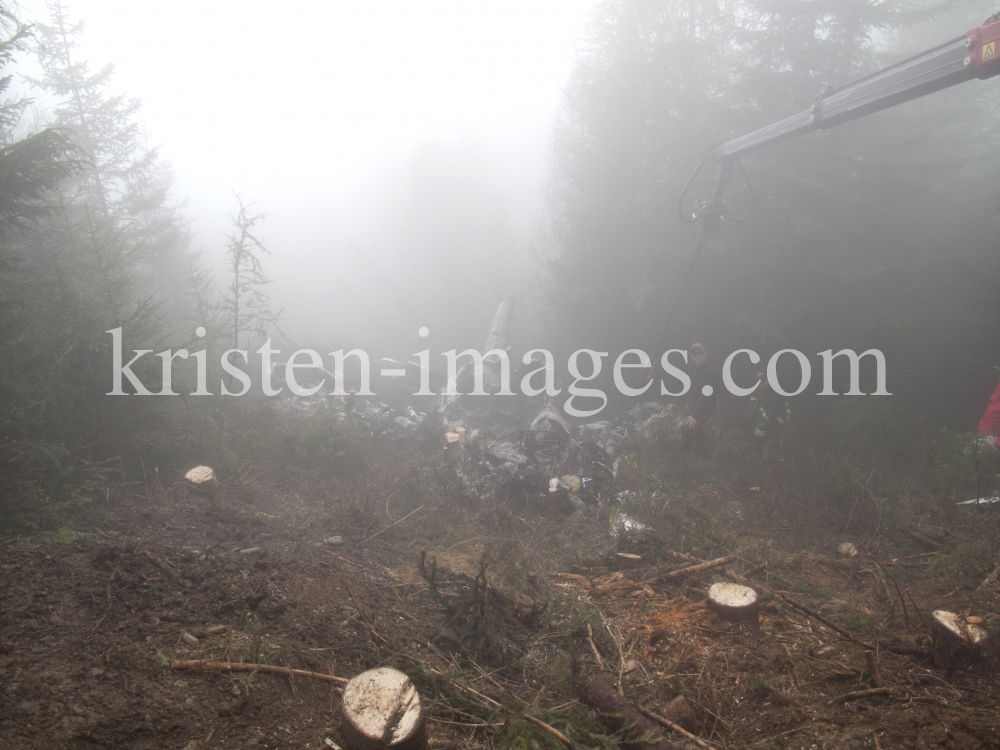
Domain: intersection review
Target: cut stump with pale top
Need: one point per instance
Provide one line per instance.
(381, 710)
(733, 602)
(959, 643)
(202, 478)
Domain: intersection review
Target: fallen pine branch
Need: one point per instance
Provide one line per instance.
(566, 741)
(692, 569)
(829, 623)
(664, 721)
(229, 667)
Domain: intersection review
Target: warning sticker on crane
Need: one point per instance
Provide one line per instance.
(989, 51)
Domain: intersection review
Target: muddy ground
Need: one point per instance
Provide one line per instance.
(93, 620)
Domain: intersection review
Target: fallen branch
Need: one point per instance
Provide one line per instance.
(673, 726)
(161, 564)
(618, 647)
(991, 577)
(566, 741)
(859, 694)
(618, 714)
(906, 614)
(492, 703)
(832, 625)
(758, 569)
(364, 541)
(693, 569)
(593, 647)
(228, 667)
(205, 632)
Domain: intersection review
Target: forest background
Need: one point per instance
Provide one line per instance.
(878, 234)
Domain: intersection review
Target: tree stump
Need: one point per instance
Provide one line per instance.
(733, 602)
(959, 643)
(381, 710)
(847, 550)
(202, 478)
(850, 552)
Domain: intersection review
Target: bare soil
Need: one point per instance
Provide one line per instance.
(92, 625)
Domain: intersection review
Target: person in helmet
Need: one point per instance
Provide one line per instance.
(702, 399)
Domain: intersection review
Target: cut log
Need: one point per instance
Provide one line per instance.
(202, 478)
(381, 710)
(733, 602)
(959, 643)
(617, 714)
(625, 560)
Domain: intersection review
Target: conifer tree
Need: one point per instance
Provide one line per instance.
(246, 303)
(126, 184)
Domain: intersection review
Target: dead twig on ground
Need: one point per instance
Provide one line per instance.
(673, 726)
(566, 741)
(161, 564)
(860, 495)
(692, 569)
(830, 624)
(365, 541)
(859, 694)
(991, 577)
(593, 647)
(228, 667)
(618, 646)
(205, 632)
(906, 614)
(919, 613)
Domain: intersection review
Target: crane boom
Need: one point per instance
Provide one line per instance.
(976, 54)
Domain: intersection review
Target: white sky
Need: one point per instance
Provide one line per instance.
(272, 98)
(304, 104)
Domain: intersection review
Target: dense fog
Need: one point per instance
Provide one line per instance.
(359, 178)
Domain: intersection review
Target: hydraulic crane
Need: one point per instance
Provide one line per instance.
(975, 54)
